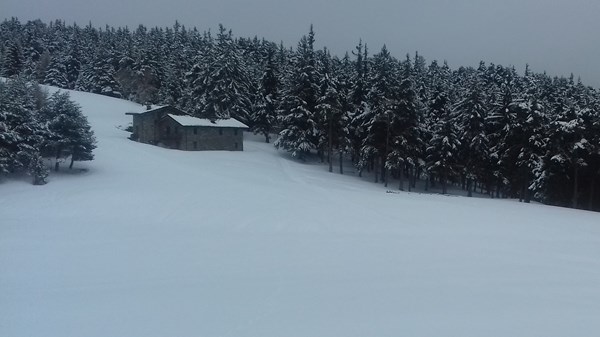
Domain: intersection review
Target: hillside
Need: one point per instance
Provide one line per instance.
(145, 241)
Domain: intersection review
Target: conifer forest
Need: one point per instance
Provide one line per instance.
(400, 120)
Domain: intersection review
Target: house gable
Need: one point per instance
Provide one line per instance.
(145, 123)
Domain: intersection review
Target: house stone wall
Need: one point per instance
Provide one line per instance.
(212, 138)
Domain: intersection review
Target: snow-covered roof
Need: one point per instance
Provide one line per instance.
(145, 109)
(219, 123)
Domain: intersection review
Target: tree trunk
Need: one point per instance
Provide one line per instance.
(267, 137)
(330, 157)
(592, 193)
(498, 185)
(444, 179)
(416, 175)
(401, 184)
(469, 187)
(341, 162)
(527, 194)
(575, 187)
(521, 191)
(376, 171)
(72, 160)
(330, 145)
(384, 172)
(56, 164)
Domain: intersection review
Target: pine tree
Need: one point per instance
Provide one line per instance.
(470, 116)
(71, 135)
(377, 119)
(344, 126)
(444, 146)
(8, 137)
(407, 147)
(226, 87)
(12, 62)
(297, 107)
(99, 76)
(23, 134)
(329, 110)
(56, 74)
(265, 111)
(358, 83)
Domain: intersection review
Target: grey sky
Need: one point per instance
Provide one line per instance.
(559, 36)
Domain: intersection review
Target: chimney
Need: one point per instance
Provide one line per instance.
(148, 106)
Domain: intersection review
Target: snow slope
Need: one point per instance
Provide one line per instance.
(155, 242)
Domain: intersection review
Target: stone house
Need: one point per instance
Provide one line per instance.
(170, 127)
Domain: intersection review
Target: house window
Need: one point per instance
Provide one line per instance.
(195, 131)
(195, 145)
(235, 132)
(168, 130)
(220, 132)
(236, 146)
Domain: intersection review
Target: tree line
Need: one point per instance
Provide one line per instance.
(488, 128)
(35, 127)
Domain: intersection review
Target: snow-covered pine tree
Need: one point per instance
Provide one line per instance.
(8, 137)
(443, 147)
(329, 114)
(264, 115)
(407, 143)
(175, 65)
(358, 82)
(343, 69)
(569, 149)
(32, 43)
(297, 106)
(381, 112)
(71, 135)
(56, 73)
(99, 76)
(23, 134)
(501, 124)
(72, 59)
(226, 85)
(470, 114)
(12, 61)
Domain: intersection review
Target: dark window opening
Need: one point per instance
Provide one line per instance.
(195, 145)
(235, 132)
(168, 130)
(195, 131)
(236, 146)
(220, 132)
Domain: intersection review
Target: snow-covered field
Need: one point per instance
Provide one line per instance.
(155, 242)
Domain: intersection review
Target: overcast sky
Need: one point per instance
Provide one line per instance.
(559, 36)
